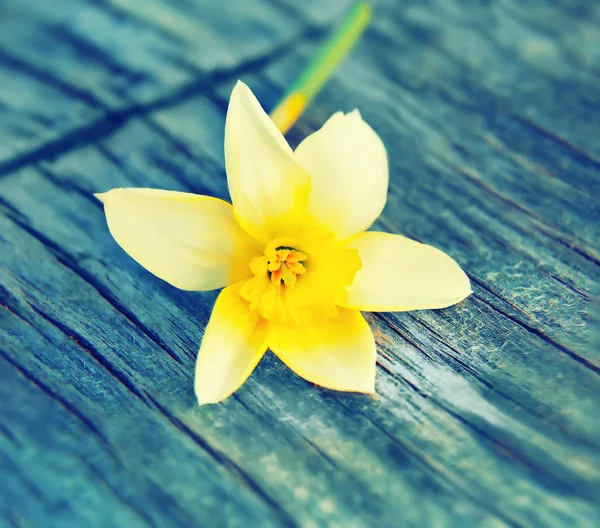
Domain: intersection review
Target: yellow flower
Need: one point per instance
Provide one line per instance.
(292, 252)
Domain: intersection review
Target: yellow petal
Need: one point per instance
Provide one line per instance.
(193, 242)
(336, 353)
(269, 189)
(348, 165)
(234, 342)
(399, 274)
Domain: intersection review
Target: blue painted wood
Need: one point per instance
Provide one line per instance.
(486, 412)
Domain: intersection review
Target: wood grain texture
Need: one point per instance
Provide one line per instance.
(487, 413)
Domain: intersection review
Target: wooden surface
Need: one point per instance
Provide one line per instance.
(488, 413)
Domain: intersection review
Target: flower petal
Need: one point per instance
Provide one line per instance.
(269, 189)
(234, 342)
(337, 353)
(399, 274)
(191, 241)
(348, 165)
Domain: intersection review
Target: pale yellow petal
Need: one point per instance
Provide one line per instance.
(269, 189)
(399, 274)
(191, 241)
(337, 353)
(234, 342)
(348, 165)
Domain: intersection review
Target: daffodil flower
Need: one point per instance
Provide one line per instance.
(291, 252)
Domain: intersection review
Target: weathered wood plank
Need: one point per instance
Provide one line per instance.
(33, 111)
(108, 390)
(102, 63)
(137, 52)
(149, 159)
(485, 410)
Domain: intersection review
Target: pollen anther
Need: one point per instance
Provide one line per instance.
(285, 264)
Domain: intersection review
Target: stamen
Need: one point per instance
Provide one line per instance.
(289, 277)
(282, 264)
(276, 277)
(296, 267)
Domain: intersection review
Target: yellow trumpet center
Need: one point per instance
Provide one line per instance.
(299, 277)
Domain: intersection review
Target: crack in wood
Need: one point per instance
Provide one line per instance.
(114, 120)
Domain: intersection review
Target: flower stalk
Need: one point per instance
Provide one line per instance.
(308, 84)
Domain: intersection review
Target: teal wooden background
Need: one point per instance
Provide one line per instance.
(488, 413)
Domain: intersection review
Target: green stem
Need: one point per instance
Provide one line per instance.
(320, 68)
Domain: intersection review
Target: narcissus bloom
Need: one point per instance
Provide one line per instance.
(292, 252)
